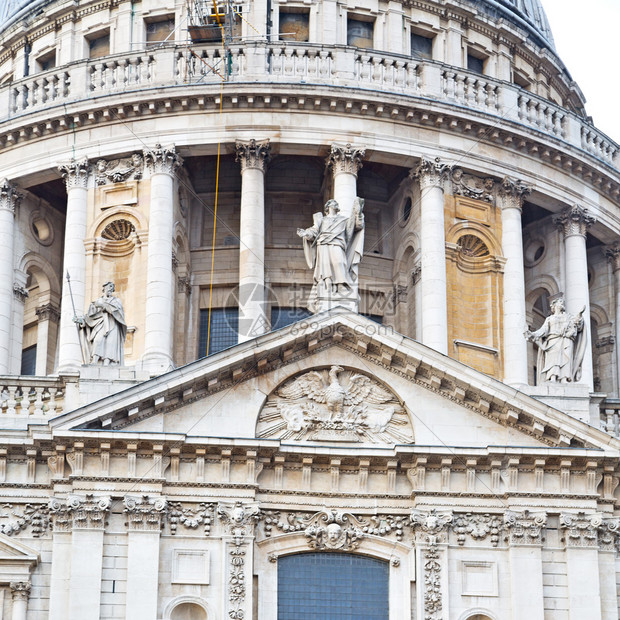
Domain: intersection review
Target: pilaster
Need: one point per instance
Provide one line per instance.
(613, 256)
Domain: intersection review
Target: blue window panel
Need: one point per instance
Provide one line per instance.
(29, 361)
(224, 331)
(332, 586)
(281, 317)
(377, 318)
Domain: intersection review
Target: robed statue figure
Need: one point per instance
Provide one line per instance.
(103, 329)
(561, 345)
(333, 247)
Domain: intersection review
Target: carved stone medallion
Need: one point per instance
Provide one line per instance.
(334, 405)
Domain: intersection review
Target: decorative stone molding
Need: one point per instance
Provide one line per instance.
(119, 170)
(145, 514)
(75, 173)
(512, 193)
(605, 344)
(431, 173)
(580, 529)
(48, 312)
(524, 528)
(184, 284)
(191, 518)
(334, 531)
(346, 158)
(478, 527)
(79, 512)
(35, 516)
(574, 221)
(162, 159)
(20, 590)
(9, 196)
(334, 405)
(239, 519)
(470, 186)
(432, 524)
(608, 534)
(253, 154)
(20, 293)
(613, 256)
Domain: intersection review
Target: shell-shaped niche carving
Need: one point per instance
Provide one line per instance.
(473, 246)
(118, 230)
(334, 404)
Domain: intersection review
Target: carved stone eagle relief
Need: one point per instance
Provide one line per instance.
(334, 405)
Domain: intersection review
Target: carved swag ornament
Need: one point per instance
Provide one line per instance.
(119, 170)
(334, 405)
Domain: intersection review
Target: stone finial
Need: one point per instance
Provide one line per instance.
(9, 196)
(512, 192)
(613, 255)
(345, 158)
(75, 173)
(253, 154)
(162, 159)
(574, 220)
(430, 172)
(20, 590)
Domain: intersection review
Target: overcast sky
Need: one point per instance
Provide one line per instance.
(587, 39)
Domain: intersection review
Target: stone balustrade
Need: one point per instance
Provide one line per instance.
(610, 416)
(31, 397)
(298, 63)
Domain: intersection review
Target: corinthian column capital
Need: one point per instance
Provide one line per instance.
(512, 193)
(75, 173)
(253, 154)
(574, 221)
(430, 172)
(20, 590)
(613, 256)
(9, 196)
(345, 158)
(162, 159)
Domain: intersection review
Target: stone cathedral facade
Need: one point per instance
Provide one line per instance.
(193, 443)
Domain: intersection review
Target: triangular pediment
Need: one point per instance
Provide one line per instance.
(15, 551)
(394, 391)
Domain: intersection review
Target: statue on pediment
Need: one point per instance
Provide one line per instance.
(103, 329)
(561, 345)
(334, 246)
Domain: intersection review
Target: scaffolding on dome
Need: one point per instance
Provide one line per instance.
(211, 22)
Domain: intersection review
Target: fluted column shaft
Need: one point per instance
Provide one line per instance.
(431, 174)
(613, 254)
(9, 200)
(75, 174)
(574, 223)
(511, 195)
(253, 157)
(162, 163)
(345, 162)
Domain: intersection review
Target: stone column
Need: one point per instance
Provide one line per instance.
(613, 255)
(580, 533)
(20, 294)
(75, 175)
(431, 175)
(9, 201)
(20, 591)
(48, 316)
(253, 157)
(526, 568)
(162, 163)
(510, 198)
(574, 223)
(144, 518)
(345, 162)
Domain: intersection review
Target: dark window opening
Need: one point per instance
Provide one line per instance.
(224, 332)
(421, 46)
(475, 64)
(160, 30)
(360, 33)
(407, 210)
(47, 61)
(338, 586)
(377, 318)
(29, 361)
(294, 26)
(99, 46)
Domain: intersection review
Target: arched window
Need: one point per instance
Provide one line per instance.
(188, 611)
(339, 586)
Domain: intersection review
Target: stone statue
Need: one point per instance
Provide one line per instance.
(333, 247)
(561, 345)
(103, 329)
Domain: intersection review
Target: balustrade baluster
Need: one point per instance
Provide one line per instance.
(481, 93)
(38, 401)
(51, 405)
(11, 402)
(400, 75)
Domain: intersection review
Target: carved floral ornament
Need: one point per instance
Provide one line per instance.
(162, 159)
(119, 170)
(574, 220)
(253, 154)
(471, 186)
(334, 404)
(431, 172)
(345, 158)
(75, 173)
